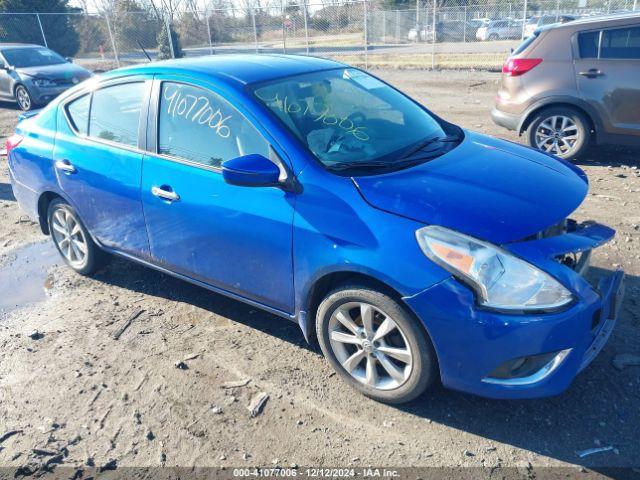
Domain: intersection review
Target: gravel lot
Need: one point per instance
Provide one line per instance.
(74, 395)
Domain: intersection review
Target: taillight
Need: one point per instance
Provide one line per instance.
(13, 141)
(514, 67)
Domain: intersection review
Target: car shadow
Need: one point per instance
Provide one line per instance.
(6, 192)
(600, 407)
(136, 277)
(611, 155)
(9, 105)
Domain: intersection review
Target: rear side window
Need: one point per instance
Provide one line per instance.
(115, 113)
(200, 126)
(588, 44)
(78, 112)
(621, 43)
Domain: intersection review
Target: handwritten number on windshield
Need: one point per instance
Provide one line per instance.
(326, 116)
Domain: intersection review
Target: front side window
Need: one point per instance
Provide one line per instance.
(621, 43)
(200, 126)
(78, 112)
(347, 118)
(31, 57)
(115, 113)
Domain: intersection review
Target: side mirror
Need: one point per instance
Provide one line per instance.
(253, 170)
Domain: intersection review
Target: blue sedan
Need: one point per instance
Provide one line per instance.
(413, 250)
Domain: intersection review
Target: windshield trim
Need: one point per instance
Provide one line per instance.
(445, 125)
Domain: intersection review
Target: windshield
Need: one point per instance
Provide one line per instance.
(31, 57)
(349, 120)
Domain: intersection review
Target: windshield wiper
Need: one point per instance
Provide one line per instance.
(430, 141)
(354, 165)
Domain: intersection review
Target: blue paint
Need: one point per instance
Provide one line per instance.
(271, 245)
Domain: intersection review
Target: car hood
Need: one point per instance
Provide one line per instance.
(488, 188)
(63, 71)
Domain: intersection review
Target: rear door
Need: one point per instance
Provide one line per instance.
(238, 239)
(608, 76)
(98, 160)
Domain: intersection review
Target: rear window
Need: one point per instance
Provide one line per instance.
(527, 41)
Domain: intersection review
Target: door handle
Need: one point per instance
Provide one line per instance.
(65, 166)
(166, 194)
(592, 73)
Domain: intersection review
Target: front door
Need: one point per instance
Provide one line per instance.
(238, 239)
(608, 73)
(99, 163)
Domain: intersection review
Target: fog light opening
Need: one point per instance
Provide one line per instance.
(527, 370)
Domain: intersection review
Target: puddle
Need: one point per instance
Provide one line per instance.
(24, 276)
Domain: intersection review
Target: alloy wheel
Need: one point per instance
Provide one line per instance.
(69, 237)
(370, 346)
(558, 135)
(24, 100)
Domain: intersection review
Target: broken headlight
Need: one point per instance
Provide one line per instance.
(501, 280)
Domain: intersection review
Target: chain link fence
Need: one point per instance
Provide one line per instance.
(356, 32)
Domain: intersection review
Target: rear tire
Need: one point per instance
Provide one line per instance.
(23, 98)
(375, 344)
(561, 131)
(72, 240)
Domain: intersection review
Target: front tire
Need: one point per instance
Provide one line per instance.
(561, 131)
(23, 98)
(72, 240)
(375, 344)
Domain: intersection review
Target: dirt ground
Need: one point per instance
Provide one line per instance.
(72, 395)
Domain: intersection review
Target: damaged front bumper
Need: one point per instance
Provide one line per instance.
(473, 343)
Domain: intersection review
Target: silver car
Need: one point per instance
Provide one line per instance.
(31, 75)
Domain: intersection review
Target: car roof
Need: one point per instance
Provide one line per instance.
(236, 70)
(613, 19)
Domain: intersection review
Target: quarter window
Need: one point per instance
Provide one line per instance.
(588, 44)
(115, 113)
(200, 126)
(78, 112)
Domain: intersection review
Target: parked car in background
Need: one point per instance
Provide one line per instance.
(475, 24)
(537, 22)
(413, 249)
(31, 75)
(500, 30)
(455, 31)
(573, 84)
(419, 34)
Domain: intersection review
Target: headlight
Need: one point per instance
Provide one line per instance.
(43, 82)
(501, 280)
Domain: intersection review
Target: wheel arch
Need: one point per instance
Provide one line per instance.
(44, 201)
(553, 102)
(332, 280)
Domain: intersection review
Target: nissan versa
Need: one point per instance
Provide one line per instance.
(412, 248)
